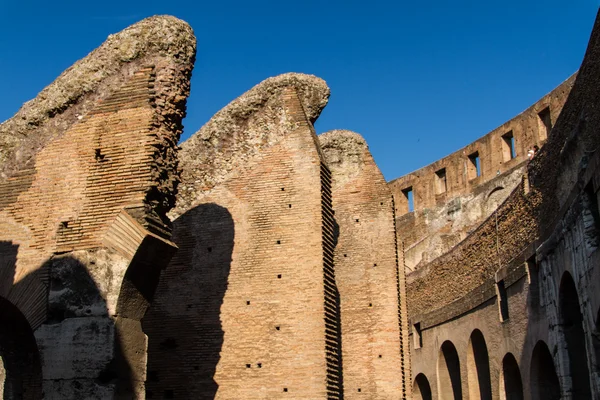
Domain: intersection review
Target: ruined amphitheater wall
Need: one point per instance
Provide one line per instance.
(438, 205)
(512, 310)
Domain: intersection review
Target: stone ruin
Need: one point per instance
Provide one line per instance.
(259, 260)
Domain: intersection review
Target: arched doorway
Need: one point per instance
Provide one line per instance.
(571, 323)
(511, 385)
(478, 368)
(544, 381)
(21, 366)
(421, 388)
(448, 373)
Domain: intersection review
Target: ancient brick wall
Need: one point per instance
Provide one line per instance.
(450, 200)
(89, 172)
(247, 307)
(366, 271)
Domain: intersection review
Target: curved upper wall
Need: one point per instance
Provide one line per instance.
(459, 173)
(452, 196)
(556, 176)
(242, 130)
(75, 91)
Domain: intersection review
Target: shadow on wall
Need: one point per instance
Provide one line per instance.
(18, 349)
(184, 329)
(88, 363)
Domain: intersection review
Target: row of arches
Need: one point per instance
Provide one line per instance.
(544, 383)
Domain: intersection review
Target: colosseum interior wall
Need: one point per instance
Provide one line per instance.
(259, 260)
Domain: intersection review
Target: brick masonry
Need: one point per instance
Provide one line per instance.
(88, 176)
(247, 308)
(374, 339)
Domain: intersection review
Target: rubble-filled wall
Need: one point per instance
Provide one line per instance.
(373, 314)
(248, 307)
(88, 172)
(512, 311)
(452, 196)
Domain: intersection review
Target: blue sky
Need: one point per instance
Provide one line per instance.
(418, 80)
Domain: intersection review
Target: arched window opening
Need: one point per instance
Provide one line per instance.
(511, 385)
(544, 381)
(421, 388)
(478, 368)
(571, 322)
(448, 373)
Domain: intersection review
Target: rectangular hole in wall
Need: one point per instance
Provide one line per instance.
(508, 146)
(474, 166)
(441, 183)
(408, 194)
(545, 123)
(417, 335)
(592, 204)
(502, 300)
(533, 278)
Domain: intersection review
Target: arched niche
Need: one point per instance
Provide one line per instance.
(571, 323)
(21, 365)
(448, 373)
(478, 367)
(511, 385)
(544, 384)
(421, 388)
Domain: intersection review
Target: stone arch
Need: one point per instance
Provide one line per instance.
(544, 384)
(478, 367)
(511, 385)
(448, 372)
(19, 354)
(421, 388)
(571, 323)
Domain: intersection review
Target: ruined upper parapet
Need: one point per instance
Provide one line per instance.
(242, 129)
(344, 153)
(154, 38)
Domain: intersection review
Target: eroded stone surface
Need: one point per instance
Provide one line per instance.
(36, 123)
(240, 131)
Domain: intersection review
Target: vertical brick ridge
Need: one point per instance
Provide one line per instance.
(333, 334)
(402, 317)
(170, 87)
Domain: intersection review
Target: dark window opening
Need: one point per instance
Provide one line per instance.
(441, 181)
(474, 166)
(502, 300)
(408, 194)
(418, 335)
(545, 123)
(508, 146)
(533, 271)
